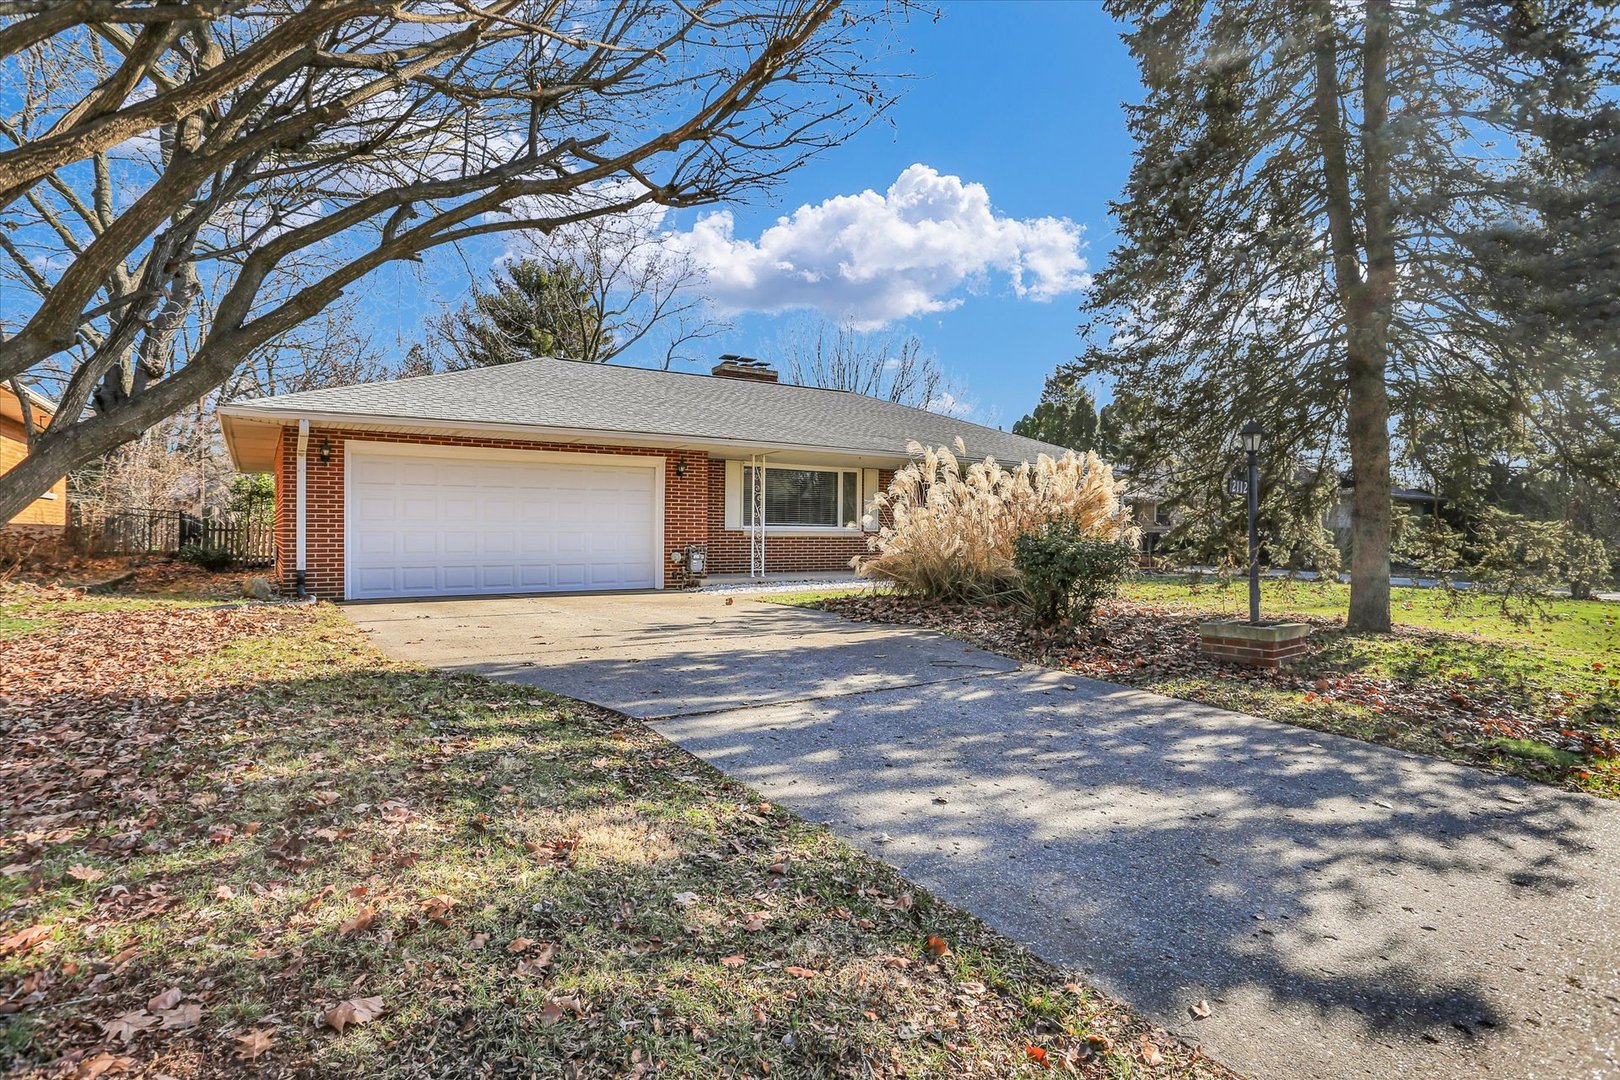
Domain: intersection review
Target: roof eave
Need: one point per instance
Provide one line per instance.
(538, 432)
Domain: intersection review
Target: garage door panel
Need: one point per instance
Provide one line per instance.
(419, 507)
(378, 544)
(498, 578)
(374, 471)
(424, 526)
(410, 542)
(459, 578)
(459, 544)
(533, 576)
(417, 471)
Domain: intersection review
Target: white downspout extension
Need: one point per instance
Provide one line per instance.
(298, 527)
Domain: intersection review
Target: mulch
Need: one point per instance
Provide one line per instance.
(1156, 647)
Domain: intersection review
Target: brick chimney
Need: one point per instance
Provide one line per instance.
(732, 366)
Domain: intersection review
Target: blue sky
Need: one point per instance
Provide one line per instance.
(1021, 99)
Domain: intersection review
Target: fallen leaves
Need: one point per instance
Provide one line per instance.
(124, 1027)
(102, 1064)
(166, 1000)
(1200, 1011)
(437, 908)
(333, 877)
(251, 1045)
(25, 940)
(537, 962)
(362, 920)
(360, 1010)
(559, 1007)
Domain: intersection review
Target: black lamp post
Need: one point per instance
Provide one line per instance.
(1252, 435)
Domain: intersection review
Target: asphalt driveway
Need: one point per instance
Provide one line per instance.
(1346, 910)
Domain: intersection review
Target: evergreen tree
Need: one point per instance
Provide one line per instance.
(528, 309)
(1065, 416)
(1297, 237)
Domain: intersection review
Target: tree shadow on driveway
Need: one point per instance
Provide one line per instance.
(1345, 909)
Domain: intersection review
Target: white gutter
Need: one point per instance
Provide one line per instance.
(298, 528)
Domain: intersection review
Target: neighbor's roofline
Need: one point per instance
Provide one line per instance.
(281, 416)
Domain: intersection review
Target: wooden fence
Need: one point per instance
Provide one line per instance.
(249, 540)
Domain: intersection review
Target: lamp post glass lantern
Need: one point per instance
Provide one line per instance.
(1253, 435)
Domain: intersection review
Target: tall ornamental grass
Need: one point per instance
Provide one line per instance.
(949, 533)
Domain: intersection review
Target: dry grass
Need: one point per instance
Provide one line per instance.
(952, 529)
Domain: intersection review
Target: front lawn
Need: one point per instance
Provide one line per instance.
(236, 839)
(1539, 699)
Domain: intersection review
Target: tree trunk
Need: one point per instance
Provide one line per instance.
(1369, 396)
(1366, 302)
(1370, 508)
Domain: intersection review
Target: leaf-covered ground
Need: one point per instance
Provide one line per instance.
(237, 841)
(1539, 699)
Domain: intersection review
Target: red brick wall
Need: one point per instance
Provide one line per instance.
(784, 552)
(685, 499)
(1252, 653)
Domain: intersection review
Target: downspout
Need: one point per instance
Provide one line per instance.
(298, 527)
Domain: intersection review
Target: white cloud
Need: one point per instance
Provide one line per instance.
(948, 404)
(870, 259)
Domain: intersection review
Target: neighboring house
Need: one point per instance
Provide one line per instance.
(1151, 518)
(554, 476)
(47, 515)
(1414, 501)
(1154, 518)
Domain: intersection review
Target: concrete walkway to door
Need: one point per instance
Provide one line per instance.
(1346, 910)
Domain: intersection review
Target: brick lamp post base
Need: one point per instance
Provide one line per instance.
(1234, 641)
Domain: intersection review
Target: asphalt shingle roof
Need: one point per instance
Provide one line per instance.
(628, 400)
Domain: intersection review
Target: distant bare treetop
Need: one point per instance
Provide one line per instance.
(889, 366)
(269, 156)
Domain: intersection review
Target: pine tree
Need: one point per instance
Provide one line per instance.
(1065, 416)
(1298, 238)
(527, 310)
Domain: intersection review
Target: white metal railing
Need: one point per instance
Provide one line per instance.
(756, 527)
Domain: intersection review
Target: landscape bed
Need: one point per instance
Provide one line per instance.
(238, 840)
(1537, 696)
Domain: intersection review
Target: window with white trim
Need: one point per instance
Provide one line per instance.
(804, 497)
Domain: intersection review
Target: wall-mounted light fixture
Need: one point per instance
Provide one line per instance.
(326, 451)
(680, 468)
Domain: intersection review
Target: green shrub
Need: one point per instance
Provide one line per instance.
(1065, 574)
(207, 556)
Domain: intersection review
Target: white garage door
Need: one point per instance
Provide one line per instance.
(494, 522)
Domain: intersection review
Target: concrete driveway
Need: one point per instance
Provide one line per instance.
(1346, 910)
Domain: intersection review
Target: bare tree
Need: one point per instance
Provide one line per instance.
(592, 291)
(632, 283)
(895, 368)
(275, 154)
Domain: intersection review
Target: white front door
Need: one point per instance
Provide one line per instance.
(435, 521)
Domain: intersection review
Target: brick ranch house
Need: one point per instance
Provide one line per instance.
(47, 515)
(555, 476)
